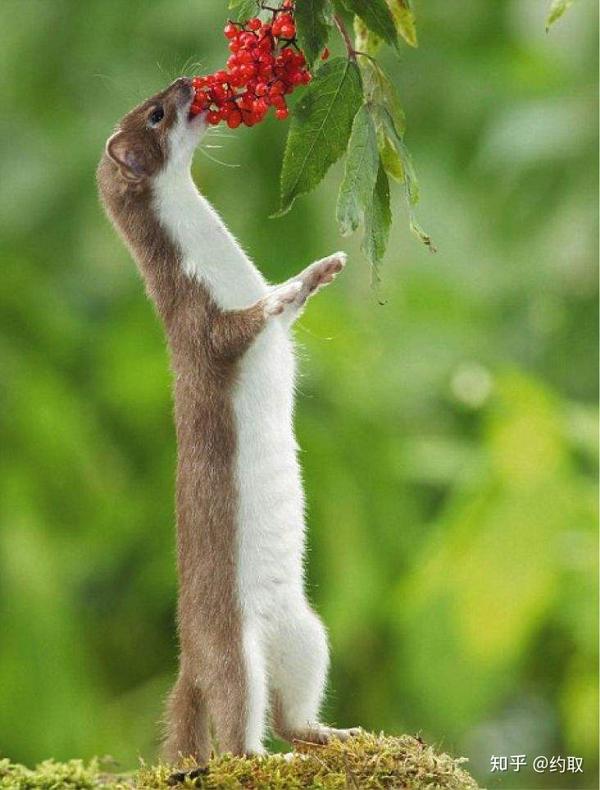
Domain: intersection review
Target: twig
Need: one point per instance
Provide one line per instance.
(341, 26)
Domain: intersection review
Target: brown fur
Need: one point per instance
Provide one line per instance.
(205, 344)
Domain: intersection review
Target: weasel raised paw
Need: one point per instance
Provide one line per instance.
(277, 300)
(322, 272)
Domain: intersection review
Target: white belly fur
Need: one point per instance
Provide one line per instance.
(271, 502)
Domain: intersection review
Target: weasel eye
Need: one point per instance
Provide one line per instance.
(156, 116)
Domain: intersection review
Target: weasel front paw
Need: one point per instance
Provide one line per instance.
(277, 300)
(322, 272)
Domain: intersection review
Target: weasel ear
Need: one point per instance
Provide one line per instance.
(128, 156)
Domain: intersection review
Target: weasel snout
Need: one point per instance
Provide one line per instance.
(183, 91)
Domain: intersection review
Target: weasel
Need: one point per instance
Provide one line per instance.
(249, 641)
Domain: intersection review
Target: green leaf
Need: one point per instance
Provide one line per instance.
(320, 128)
(390, 159)
(404, 19)
(557, 9)
(362, 162)
(380, 92)
(376, 16)
(410, 178)
(378, 219)
(364, 39)
(312, 26)
(245, 9)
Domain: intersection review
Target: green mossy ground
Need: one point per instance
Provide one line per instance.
(367, 761)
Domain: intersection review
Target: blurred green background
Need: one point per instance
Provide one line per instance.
(448, 434)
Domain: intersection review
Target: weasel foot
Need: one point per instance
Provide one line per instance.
(179, 777)
(322, 735)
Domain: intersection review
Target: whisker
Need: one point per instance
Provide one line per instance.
(120, 87)
(226, 135)
(214, 159)
(163, 71)
(185, 66)
(192, 65)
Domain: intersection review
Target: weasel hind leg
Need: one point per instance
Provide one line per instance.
(300, 661)
(186, 723)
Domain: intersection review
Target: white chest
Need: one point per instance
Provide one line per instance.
(270, 497)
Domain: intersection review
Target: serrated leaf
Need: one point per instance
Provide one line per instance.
(390, 159)
(410, 176)
(557, 9)
(362, 163)
(404, 20)
(364, 39)
(378, 220)
(411, 184)
(320, 129)
(376, 16)
(244, 9)
(312, 26)
(380, 92)
(418, 231)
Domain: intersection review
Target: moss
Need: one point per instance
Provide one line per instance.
(368, 761)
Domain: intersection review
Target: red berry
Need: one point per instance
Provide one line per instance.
(247, 39)
(234, 119)
(260, 107)
(247, 71)
(217, 93)
(262, 70)
(325, 53)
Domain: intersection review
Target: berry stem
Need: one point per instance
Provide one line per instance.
(341, 26)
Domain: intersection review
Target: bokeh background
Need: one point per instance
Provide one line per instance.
(448, 423)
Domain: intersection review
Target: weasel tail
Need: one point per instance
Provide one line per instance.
(250, 643)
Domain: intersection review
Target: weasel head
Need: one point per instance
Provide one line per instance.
(156, 134)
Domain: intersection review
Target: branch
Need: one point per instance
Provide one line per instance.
(341, 26)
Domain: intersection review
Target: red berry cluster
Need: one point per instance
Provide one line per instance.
(265, 65)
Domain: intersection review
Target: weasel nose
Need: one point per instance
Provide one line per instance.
(182, 88)
(182, 82)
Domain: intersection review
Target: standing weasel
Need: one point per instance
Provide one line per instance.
(249, 639)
